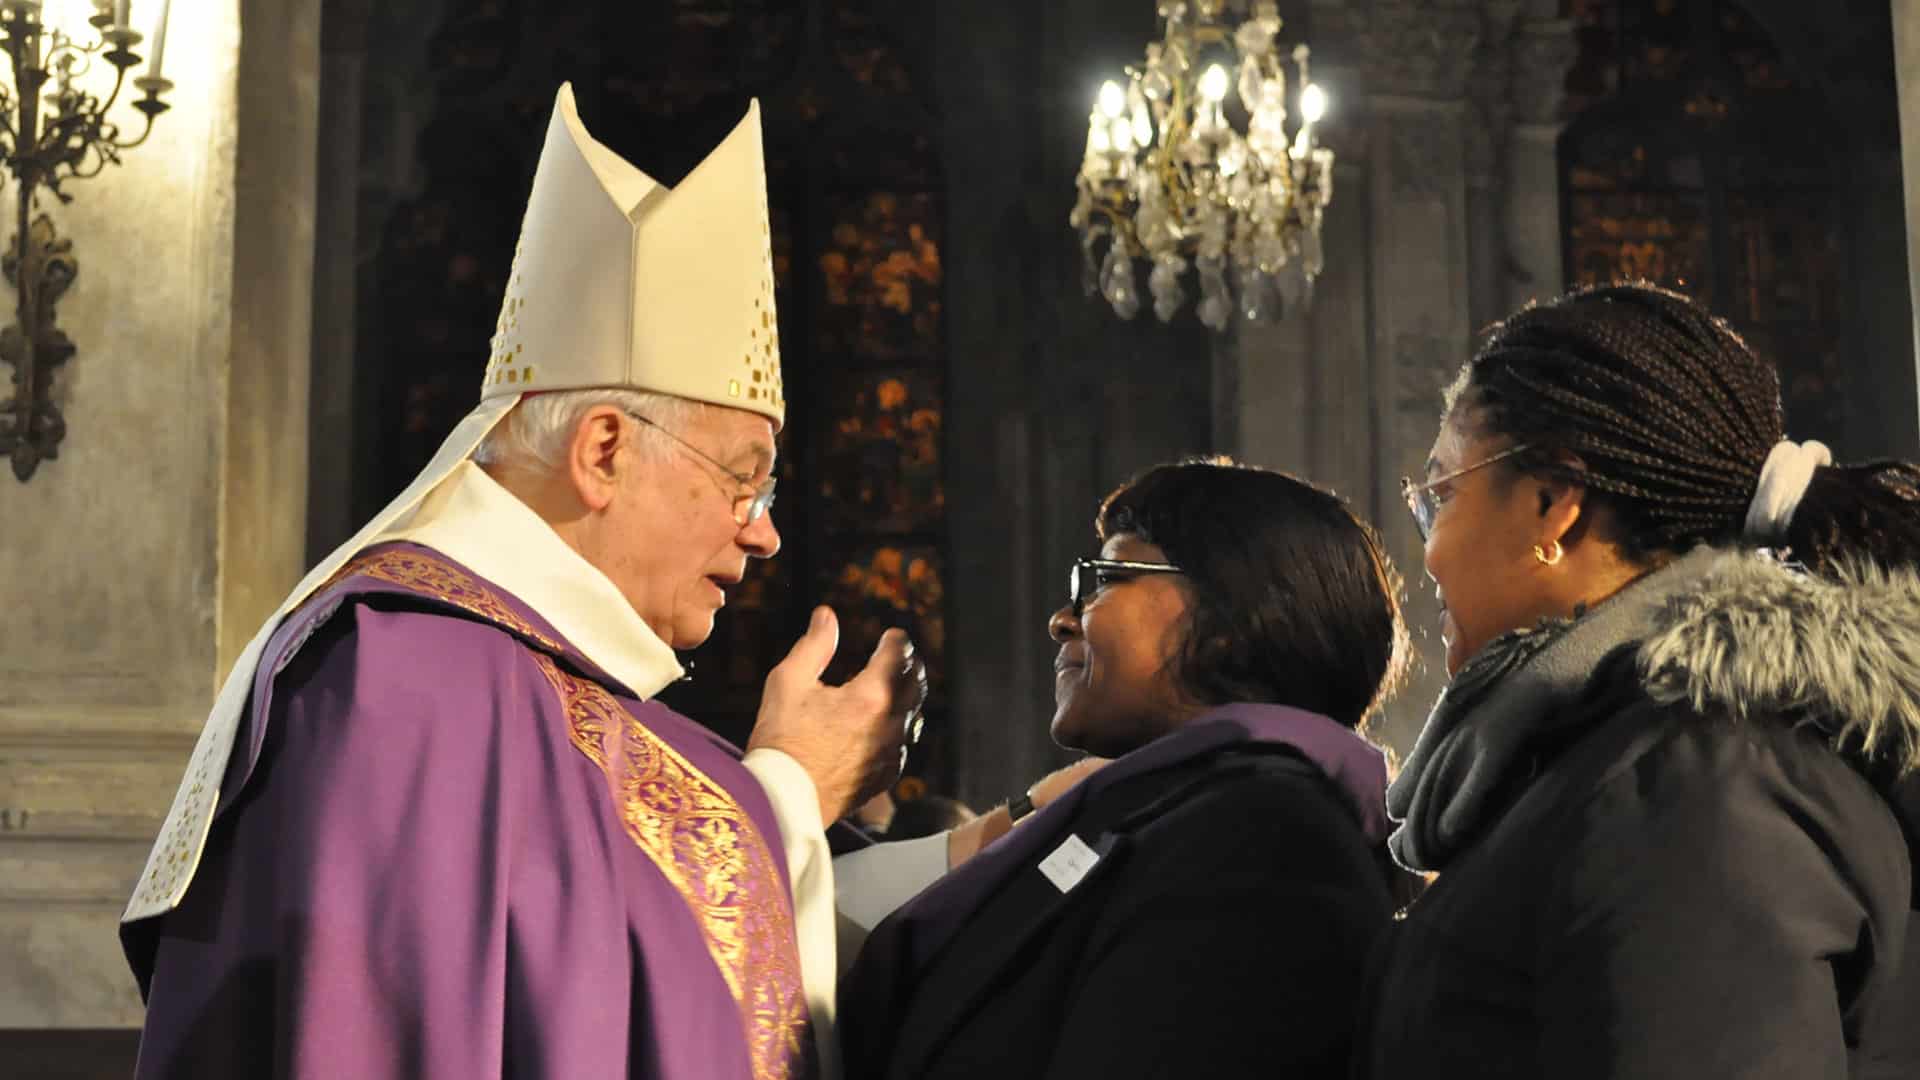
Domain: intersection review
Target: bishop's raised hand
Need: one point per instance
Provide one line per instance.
(851, 739)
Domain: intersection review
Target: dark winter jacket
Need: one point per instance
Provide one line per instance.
(1229, 899)
(1685, 878)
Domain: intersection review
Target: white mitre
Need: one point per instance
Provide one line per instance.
(618, 281)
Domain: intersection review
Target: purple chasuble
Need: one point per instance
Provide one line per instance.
(448, 845)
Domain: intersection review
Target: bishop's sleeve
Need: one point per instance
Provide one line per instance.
(874, 881)
(351, 915)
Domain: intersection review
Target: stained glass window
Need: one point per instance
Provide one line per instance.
(861, 47)
(879, 470)
(881, 273)
(1694, 161)
(886, 585)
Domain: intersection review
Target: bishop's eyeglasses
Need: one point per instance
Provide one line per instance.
(757, 497)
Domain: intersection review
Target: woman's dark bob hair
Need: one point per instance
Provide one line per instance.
(1293, 601)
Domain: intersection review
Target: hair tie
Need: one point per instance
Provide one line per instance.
(1783, 483)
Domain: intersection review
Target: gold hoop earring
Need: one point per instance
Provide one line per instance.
(1546, 559)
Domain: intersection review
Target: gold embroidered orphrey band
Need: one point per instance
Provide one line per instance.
(684, 822)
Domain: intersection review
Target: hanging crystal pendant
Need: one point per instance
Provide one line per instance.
(1312, 256)
(1089, 269)
(1256, 293)
(1117, 283)
(1295, 289)
(1163, 281)
(1216, 303)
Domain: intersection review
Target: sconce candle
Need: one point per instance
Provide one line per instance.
(160, 39)
(49, 137)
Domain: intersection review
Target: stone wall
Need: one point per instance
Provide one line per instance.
(1445, 216)
(135, 566)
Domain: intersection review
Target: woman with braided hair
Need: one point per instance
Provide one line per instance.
(1661, 789)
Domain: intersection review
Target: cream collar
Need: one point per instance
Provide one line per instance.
(471, 519)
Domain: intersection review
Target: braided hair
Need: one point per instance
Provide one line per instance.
(1671, 416)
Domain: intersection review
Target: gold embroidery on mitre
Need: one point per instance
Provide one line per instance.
(504, 347)
(714, 856)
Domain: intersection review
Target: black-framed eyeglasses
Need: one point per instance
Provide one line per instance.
(1420, 497)
(1088, 576)
(757, 497)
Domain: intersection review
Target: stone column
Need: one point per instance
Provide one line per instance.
(1906, 66)
(1418, 59)
(1294, 395)
(1543, 50)
(174, 517)
(343, 57)
(264, 485)
(1488, 145)
(1272, 419)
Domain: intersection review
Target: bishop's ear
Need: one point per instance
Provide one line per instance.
(593, 462)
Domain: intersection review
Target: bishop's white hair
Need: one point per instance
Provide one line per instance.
(534, 436)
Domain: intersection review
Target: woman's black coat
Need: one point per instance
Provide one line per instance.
(1221, 936)
(1694, 886)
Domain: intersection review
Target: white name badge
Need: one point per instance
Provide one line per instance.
(1069, 863)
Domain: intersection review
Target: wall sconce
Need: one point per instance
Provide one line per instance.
(54, 129)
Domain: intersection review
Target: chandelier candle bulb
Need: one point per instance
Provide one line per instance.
(1313, 103)
(122, 14)
(1213, 83)
(1113, 101)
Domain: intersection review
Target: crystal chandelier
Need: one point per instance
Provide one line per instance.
(1191, 163)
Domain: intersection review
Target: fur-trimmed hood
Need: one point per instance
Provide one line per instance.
(1760, 636)
(1730, 633)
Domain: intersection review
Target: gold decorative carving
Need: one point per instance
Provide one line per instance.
(1421, 50)
(1543, 51)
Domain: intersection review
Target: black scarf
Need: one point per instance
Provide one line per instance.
(1510, 697)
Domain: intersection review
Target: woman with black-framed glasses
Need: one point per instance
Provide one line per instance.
(1203, 904)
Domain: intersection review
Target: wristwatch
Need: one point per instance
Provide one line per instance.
(1019, 806)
